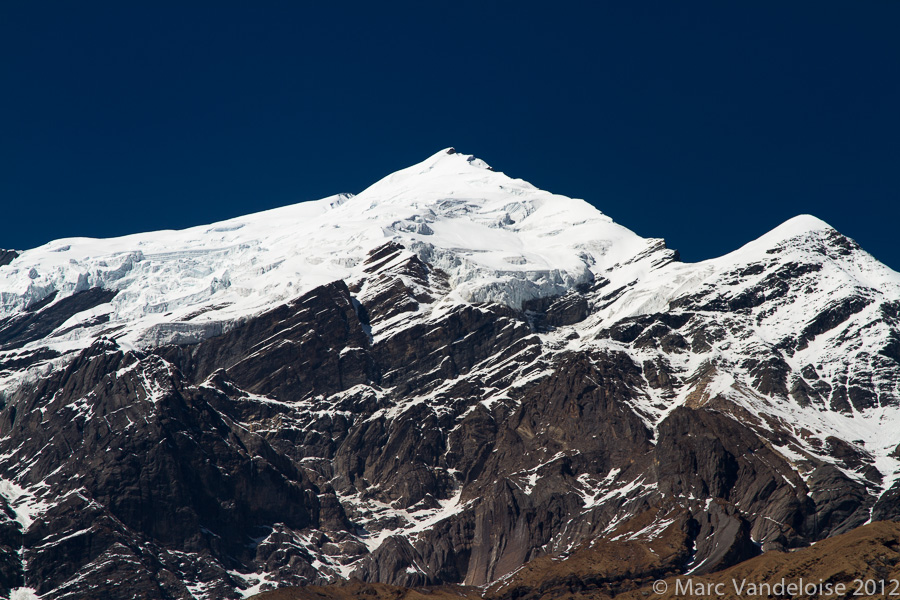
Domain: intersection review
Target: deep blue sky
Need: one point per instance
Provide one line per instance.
(706, 123)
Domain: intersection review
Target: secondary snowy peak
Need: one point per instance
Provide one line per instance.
(801, 246)
(775, 265)
(802, 234)
(798, 226)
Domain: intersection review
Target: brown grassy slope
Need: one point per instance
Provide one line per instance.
(371, 591)
(868, 552)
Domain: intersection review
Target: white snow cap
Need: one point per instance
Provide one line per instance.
(796, 227)
(498, 238)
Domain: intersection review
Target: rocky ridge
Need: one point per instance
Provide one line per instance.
(455, 379)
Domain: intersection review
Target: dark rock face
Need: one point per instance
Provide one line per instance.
(549, 313)
(830, 318)
(376, 429)
(304, 347)
(887, 508)
(146, 462)
(7, 256)
(40, 319)
(707, 454)
(724, 538)
(11, 572)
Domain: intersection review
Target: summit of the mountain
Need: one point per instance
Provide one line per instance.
(795, 226)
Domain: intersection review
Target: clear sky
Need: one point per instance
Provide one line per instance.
(706, 123)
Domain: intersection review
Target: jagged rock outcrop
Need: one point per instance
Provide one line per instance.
(7, 256)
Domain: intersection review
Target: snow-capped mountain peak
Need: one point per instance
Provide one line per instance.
(434, 381)
(499, 239)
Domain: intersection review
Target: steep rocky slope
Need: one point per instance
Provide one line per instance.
(451, 378)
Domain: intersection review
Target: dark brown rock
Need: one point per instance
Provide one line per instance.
(7, 256)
